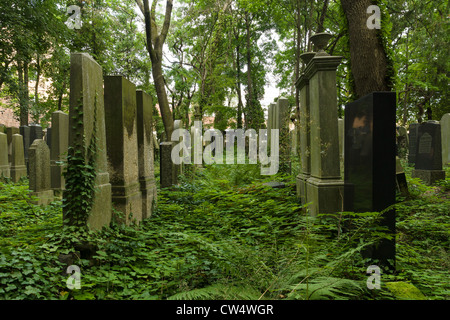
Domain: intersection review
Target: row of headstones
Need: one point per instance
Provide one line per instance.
(119, 117)
(364, 140)
(29, 155)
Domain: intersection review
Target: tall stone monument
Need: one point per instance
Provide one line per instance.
(370, 163)
(145, 153)
(122, 146)
(86, 113)
(324, 187)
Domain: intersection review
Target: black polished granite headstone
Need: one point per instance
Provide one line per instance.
(428, 146)
(370, 166)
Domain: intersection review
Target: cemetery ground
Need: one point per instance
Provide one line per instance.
(223, 234)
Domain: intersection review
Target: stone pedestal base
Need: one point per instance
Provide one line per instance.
(149, 197)
(43, 197)
(429, 177)
(100, 214)
(301, 187)
(128, 200)
(325, 196)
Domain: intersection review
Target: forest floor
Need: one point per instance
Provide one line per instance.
(223, 234)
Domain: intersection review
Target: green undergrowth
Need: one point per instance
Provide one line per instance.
(223, 234)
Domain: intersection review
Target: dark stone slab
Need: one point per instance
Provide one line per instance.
(370, 166)
(412, 135)
(428, 146)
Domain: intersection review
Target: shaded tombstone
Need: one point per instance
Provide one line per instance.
(18, 168)
(25, 132)
(370, 165)
(39, 173)
(87, 126)
(58, 149)
(412, 142)
(122, 147)
(4, 163)
(36, 132)
(48, 136)
(145, 153)
(445, 138)
(428, 162)
(167, 172)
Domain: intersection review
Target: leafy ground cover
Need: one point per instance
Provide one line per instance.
(223, 234)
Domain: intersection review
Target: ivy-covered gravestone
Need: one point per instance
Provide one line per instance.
(87, 198)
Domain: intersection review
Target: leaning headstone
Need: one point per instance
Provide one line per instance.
(167, 172)
(445, 137)
(4, 164)
(402, 184)
(370, 166)
(86, 117)
(39, 176)
(145, 153)
(58, 149)
(412, 142)
(18, 167)
(428, 166)
(122, 146)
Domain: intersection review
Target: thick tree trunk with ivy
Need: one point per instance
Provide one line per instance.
(368, 58)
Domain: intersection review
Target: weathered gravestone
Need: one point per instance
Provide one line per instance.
(4, 164)
(402, 142)
(428, 162)
(145, 152)
(10, 131)
(412, 142)
(58, 149)
(122, 146)
(370, 166)
(445, 137)
(18, 167)
(87, 126)
(324, 187)
(39, 172)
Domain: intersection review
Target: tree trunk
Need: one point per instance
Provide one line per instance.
(249, 74)
(368, 59)
(238, 86)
